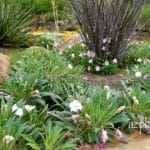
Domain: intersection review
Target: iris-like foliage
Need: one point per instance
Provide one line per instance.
(107, 26)
(14, 21)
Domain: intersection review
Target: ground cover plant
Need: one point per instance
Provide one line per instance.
(65, 112)
(47, 101)
(79, 55)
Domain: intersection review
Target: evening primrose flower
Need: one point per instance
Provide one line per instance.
(81, 55)
(106, 63)
(108, 95)
(72, 56)
(14, 107)
(139, 60)
(35, 92)
(106, 87)
(70, 66)
(115, 61)
(104, 136)
(105, 40)
(75, 118)
(97, 68)
(120, 109)
(89, 68)
(7, 139)
(7, 97)
(90, 61)
(75, 106)
(103, 48)
(135, 100)
(19, 112)
(91, 54)
(138, 74)
(119, 135)
(29, 108)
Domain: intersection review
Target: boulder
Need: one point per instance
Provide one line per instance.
(76, 39)
(4, 66)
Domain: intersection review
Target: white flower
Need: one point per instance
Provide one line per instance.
(115, 61)
(70, 46)
(138, 74)
(81, 55)
(75, 106)
(97, 68)
(103, 48)
(60, 53)
(108, 95)
(7, 139)
(70, 66)
(135, 100)
(89, 68)
(19, 112)
(104, 40)
(139, 60)
(106, 87)
(106, 63)
(72, 55)
(29, 108)
(85, 78)
(90, 61)
(84, 54)
(120, 109)
(14, 107)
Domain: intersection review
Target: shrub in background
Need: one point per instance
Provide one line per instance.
(47, 41)
(107, 26)
(14, 23)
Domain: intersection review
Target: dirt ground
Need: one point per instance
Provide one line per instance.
(136, 140)
(111, 80)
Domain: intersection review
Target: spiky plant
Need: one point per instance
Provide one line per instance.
(14, 21)
(107, 26)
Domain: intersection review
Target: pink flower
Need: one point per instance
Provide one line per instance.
(97, 68)
(91, 54)
(104, 136)
(81, 55)
(75, 118)
(119, 135)
(8, 97)
(35, 92)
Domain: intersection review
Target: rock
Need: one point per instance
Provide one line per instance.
(76, 39)
(4, 66)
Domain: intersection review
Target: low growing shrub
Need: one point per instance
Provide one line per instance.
(43, 73)
(79, 55)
